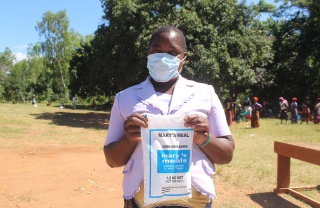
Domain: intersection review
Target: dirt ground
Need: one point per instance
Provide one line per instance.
(54, 176)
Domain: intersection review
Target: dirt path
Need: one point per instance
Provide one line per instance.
(63, 176)
(53, 176)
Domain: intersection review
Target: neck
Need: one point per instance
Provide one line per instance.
(165, 87)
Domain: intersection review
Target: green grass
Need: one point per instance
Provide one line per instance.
(22, 124)
(254, 163)
(254, 151)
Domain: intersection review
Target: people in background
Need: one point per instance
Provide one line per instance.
(74, 102)
(264, 110)
(316, 118)
(255, 117)
(247, 108)
(283, 109)
(305, 114)
(34, 102)
(294, 110)
(229, 110)
(238, 110)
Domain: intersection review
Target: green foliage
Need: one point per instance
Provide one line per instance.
(6, 62)
(81, 79)
(57, 49)
(226, 45)
(45, 72)
(263, 6)
(296, 43)
(17, 82)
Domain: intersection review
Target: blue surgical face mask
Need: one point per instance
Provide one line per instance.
(163, 67)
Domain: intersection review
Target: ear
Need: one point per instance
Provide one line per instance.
(184, 57)
(182, 63)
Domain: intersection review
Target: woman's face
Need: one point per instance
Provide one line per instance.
(170, 43)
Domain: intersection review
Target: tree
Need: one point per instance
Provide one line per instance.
(7, 59)
(17, 79)
(227, 46)
(296, 63)
(81, 82)
(57, 49)
(39, 83)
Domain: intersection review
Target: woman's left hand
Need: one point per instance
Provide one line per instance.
(201, 127)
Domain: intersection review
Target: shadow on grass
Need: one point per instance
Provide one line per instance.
(90, 120)
(271, 200)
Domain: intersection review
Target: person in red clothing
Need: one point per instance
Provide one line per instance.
(255, 116)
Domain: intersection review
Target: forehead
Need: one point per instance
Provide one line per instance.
(165, 38)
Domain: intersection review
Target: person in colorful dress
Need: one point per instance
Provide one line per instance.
(255, 116)
(247, 108)
(294, 110)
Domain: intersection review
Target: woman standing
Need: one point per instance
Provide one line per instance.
(317, 111)
(229, 108)
(247, 108)
(294, 110)
(255, 116)
(305, 115)
(283, 109)
(165, 92)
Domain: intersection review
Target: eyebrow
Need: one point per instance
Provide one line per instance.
(159, 46)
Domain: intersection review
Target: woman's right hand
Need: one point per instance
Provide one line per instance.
(132, 126)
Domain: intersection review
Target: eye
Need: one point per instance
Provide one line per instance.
(173, 53)
(155, 51)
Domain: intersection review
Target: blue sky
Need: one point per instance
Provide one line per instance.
(18, 19)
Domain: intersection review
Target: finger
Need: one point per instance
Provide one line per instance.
(132, 129)
(194, 120)
(203, 127)
(136, 120)
(132, 132)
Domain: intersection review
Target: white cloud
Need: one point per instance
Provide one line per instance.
(22, 47)
(20, 51)
(20, 56)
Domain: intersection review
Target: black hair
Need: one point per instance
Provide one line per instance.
(169, 28)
